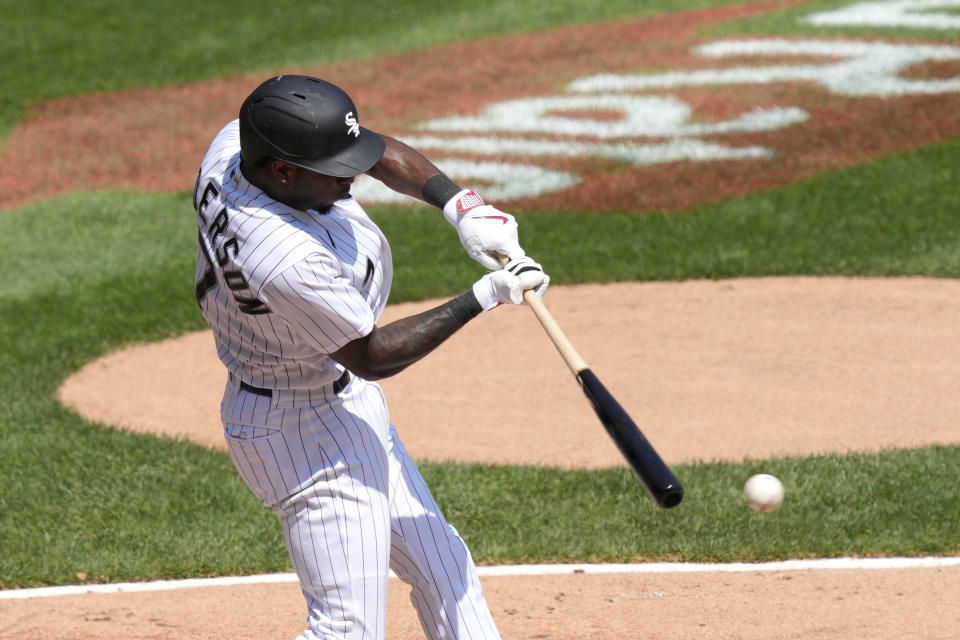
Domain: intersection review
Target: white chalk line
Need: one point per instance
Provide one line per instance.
(831, 564)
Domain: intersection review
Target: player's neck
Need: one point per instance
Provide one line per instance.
(261, 179)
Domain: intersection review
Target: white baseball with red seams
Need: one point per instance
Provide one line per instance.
(763, 492)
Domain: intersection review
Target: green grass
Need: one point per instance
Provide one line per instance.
(86, 274)
(118, 506)
(835, 506)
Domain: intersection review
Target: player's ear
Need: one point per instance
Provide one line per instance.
(283, 172)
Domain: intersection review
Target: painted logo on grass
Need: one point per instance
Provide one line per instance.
(608, 124)
(636, 115)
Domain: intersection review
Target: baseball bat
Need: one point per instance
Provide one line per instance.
(654, 475)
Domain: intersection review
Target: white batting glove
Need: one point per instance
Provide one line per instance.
(485, 232)
(507, 286)
(530, 273)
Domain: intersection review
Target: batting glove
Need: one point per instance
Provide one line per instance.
(507, 286)
(530, 274)
(485, 232)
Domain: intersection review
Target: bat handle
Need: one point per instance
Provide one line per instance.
(574, 362)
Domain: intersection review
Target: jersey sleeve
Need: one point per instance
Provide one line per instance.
(320, 303)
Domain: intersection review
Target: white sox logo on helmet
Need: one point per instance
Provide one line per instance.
(352, 125)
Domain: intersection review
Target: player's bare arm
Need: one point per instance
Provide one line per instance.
(406, 170)
(390, 349)
(486, 233)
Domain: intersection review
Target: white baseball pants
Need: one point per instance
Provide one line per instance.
(352, 503)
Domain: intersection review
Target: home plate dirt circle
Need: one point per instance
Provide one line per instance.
(711, 370)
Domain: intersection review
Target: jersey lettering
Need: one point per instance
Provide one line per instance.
(209, 193)
(231, 245)
(251, 306)
(369, 273)
(233, 278)
(208, 280)
(218, 226)
(237, 282)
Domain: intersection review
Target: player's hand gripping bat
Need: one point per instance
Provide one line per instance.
(656, 478)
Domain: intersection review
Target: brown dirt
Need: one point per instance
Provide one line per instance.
(708, 369)
(820, 605)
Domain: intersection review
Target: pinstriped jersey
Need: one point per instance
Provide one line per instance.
(282, 288)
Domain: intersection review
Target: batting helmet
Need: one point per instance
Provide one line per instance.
(307, 122)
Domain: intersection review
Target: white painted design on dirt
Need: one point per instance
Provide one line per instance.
(640, 116)
(912, 14)
(867, 68)
(639, 154)
(501, 180)
(826, 564)
(870, 68)
(609, 117)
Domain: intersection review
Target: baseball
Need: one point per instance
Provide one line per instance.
(763, 492)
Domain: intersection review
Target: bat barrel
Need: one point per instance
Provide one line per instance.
(654, 475)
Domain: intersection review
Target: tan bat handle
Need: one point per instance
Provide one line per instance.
(554, 332)
(556, 335)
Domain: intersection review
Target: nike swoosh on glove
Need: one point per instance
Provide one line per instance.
(485, 232)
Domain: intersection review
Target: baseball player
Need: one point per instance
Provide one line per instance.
(292, 276)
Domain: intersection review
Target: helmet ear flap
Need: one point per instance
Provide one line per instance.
(307, 122)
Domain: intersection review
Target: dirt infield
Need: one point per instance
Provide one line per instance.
(778, 605)
(712, 369)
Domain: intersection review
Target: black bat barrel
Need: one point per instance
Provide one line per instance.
(654, 475)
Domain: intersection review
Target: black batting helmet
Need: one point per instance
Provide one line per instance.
(307, 122)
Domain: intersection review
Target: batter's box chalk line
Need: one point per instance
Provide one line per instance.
(532, 570)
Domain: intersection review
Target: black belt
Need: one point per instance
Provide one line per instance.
(339, 385)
